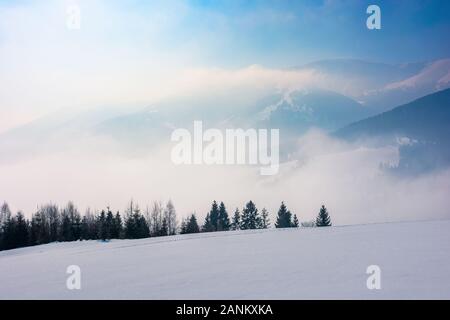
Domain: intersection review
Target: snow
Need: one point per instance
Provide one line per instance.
(308, 263)
(436, 73)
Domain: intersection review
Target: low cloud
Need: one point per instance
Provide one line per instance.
(345, 177)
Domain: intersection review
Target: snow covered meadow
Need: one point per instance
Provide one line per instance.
(303, 263)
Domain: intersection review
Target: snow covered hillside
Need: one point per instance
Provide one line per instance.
(414, 258)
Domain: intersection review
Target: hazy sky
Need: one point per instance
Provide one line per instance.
(131, 51)
(239, 33)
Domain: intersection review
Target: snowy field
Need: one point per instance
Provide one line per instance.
(324, 263)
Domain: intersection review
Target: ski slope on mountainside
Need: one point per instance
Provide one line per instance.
(308, 263)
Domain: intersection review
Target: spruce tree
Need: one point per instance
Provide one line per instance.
(223, 223)
(265, 221)
(37, 229)
(15, 232)
(66, 229)
(250, 217)
(130, 222)
(109, 224)
(295, 223)
(214, 216)
(183, 225)
(21, 231)
(85, 230)
(207, 225)
(76, 226)
(236, 221)
(88, 228)
(323, 219)
(284, 217)
(143, 230)
(136, 226)
(9, 233)
(101, 226)
(192, 225)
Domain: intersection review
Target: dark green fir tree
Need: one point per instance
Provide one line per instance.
(284, 217)
(323, 219)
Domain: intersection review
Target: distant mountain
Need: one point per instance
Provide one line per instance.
(381, 86)
(347, 91)
(292, 112)
(300, 110)
(427, 118)
(421, 128)
(373, 74)
(433, 77)
(53, 132)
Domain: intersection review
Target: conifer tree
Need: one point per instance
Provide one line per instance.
(38, 230)
(192, 225)
(88, 228)
(22, 230)
(223, 223)
(183, 225)
(16, 232)
(265, 221)
(214, 216)
(9, 233)
(295, 223)
(102, 227)
(236, 221)
(66, 228)
(250, 217)
(143, 231)
(323, 219)
(207, 225)
(76, 226)
(109, 223)
(136, 226)
(284, 217)
(85, 229)
(116, 231)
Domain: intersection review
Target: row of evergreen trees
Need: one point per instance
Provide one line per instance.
(217, 219)
(50, 223)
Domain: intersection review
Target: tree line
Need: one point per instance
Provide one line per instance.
(51, 223)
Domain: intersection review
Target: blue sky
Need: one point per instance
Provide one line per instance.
(411, 30)
(236, 33)
(285, 33)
